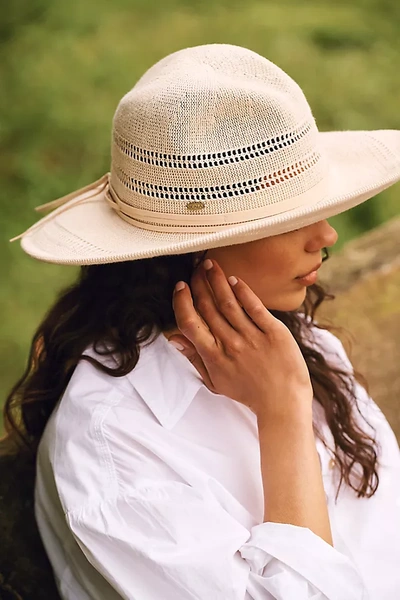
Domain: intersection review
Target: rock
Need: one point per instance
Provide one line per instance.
(365, 277)
(377, 251)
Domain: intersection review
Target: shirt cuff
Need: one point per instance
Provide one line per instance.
(304, 552)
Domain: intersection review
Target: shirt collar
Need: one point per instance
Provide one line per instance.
(166, 380)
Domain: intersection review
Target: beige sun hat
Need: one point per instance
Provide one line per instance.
(214, 145)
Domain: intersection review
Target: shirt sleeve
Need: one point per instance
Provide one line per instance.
(174, 542)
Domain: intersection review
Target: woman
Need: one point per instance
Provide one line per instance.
(200, 435)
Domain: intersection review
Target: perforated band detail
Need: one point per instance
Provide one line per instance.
(202, 161)
(218, 191)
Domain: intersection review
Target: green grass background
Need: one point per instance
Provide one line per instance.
(65, 65)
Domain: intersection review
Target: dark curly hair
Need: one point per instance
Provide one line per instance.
(122, 303)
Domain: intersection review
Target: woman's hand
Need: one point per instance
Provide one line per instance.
(239, 348)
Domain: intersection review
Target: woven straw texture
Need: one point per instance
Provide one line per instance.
(214, 145)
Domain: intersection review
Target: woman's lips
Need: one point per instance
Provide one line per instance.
(308, 279)
(315, 268)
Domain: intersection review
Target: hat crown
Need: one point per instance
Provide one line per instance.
(210, 99)
(210, 136)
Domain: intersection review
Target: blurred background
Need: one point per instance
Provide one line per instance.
(65, 65)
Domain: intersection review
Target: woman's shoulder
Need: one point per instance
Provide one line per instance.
(94, 370)
(81, 438)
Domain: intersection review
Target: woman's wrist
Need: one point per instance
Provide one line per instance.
(290, 415)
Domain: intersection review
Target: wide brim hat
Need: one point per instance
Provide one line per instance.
(215, 145)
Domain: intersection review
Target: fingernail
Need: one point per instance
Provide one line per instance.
(179, 286)
(232, 280)
(207, 264)
(176, 345)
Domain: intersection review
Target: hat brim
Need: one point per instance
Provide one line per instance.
(361, 164)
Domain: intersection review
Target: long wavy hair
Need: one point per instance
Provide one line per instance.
(121, 304)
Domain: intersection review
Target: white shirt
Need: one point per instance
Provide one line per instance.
(149, 488)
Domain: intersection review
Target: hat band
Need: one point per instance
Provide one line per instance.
(164, 222)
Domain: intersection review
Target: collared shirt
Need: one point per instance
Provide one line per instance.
(149, 487)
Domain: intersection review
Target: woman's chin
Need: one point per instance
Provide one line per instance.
(288, 302)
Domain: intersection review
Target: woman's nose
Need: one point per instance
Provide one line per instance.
(330, 235)
(322, 235)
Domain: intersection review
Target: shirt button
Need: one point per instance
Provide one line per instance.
(332, 463)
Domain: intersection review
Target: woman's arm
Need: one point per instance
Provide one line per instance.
(291, 474)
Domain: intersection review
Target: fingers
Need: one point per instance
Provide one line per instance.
(224, 314)
(205, 304)
(189, 322)
(226, 300)
(253, 306)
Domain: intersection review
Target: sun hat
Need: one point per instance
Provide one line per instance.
(214, 145)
